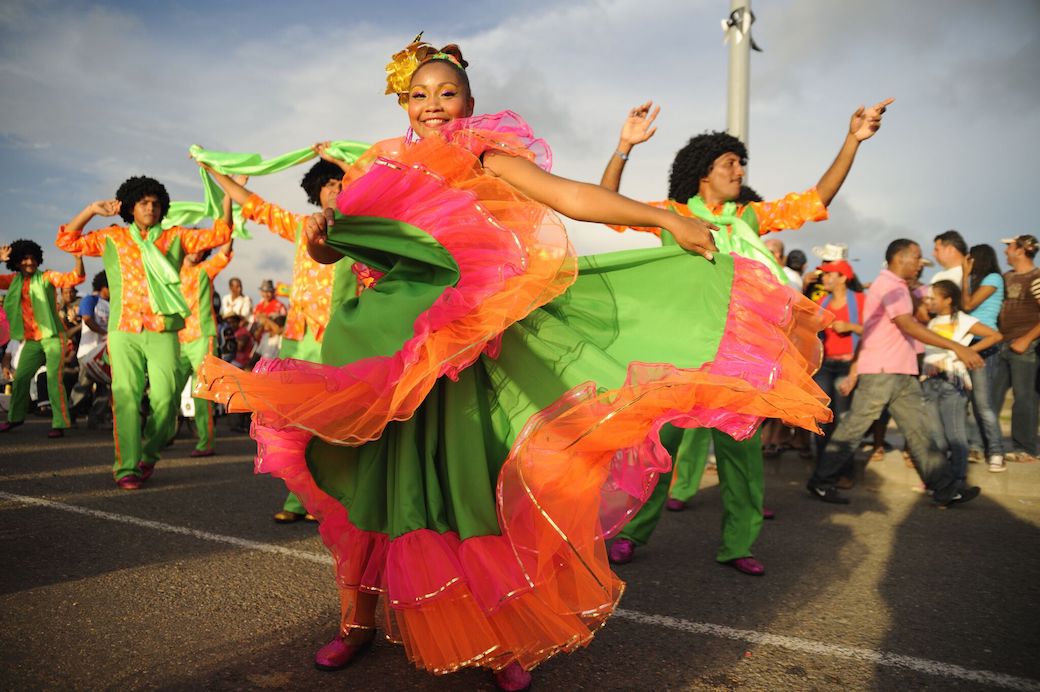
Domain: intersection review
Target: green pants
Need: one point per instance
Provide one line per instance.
(191, 357)
(134, 357)
(741, 483)
(34, 354)
(307, 348)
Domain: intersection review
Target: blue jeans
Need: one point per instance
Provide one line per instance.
(947, 418)
(1017, 372)
(986, 420)
(828, 377)
(902, 395)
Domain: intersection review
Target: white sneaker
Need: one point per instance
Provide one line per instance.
(997, 463)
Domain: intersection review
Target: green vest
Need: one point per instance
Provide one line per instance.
(44, 302)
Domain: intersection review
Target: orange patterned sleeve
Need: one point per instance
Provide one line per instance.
(5, 281)
(790, 212)
(198, 239)
(279, 220)
(92, 244)
(64, 280)
(216, 264)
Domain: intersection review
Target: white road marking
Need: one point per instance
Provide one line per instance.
(170, 528)
(884, 658)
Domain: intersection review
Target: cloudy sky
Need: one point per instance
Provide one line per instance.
(95, 92)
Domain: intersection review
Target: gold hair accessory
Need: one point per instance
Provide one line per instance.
(400, 68)
(404, 63)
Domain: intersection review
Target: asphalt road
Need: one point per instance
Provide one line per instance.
(188, 584)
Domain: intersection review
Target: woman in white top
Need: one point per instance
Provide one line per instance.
(946, 383)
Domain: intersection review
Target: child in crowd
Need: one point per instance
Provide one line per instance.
(946, 382)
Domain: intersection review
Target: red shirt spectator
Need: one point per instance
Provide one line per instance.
(269, 306)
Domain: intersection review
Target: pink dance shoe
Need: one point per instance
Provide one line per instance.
(768, 514)
(512, 678)
(129, 483)
(196, 453)
(748, 565)
(674, 505)
(621, 551)
(338, 654)
(146, 470)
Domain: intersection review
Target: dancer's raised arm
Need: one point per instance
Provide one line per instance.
(637, 129)
(862, 126)
(587, 202)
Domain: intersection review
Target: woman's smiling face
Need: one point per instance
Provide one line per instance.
(436, 97)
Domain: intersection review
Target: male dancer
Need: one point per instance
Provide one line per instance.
(705, 181)
(32, 311)
(199, 335)
(142, 263)
(312, 283)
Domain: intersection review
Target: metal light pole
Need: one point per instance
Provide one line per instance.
(737, 28)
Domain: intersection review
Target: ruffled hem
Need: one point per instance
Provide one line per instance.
(576, 473)
(452, 603)
(512, 255)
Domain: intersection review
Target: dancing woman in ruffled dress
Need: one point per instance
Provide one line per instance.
(488, 412)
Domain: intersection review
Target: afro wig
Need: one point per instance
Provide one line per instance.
(315, 179)
(694, 162)
(137, 188)
(20, 249)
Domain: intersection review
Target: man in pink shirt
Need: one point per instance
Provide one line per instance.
(885, 374)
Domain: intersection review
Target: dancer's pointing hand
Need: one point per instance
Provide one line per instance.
(866, 121)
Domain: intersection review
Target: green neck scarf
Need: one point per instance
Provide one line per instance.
(740, 239)
(41, 293)
(164, 282)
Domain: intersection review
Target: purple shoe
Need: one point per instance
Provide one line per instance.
(146, 470)
(338, 654)
(673, 505)
(621, 551)
(129, 483)
(768, 513)
(512, 678)
(6, 426)
(748, 565)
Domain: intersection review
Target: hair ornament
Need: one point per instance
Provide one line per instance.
(405, 62)
(401, 66)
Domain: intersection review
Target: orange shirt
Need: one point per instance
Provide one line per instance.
(56, 279)
(125, 268)
(310, 297)
(789, 212)
(190, 288)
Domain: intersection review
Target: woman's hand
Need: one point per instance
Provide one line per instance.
(316, 230)
(692, 234)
